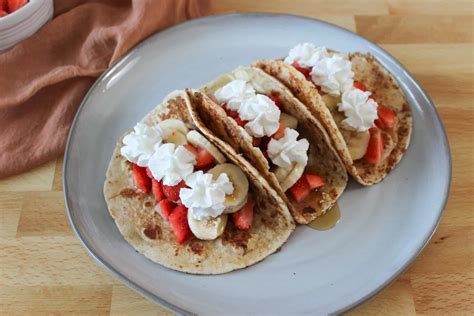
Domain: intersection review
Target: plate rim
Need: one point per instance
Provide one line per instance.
(200, 20)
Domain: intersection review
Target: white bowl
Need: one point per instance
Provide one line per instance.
(24, 22)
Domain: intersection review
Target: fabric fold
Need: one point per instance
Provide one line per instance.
(44, 78)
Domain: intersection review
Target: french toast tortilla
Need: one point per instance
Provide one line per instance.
(322, 158)
(387, 92)
(146, 230)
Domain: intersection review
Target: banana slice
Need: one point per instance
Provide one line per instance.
(170, 125)
(207, 229)
(282, 172)
(196, 139)
(175, 137)
(174, 131)
(331, 102)
(292, 177)
(233, 202)
(357, 142)
(288, 120)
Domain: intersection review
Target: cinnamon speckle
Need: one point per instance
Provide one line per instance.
(152, 232)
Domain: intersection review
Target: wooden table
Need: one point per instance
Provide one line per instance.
(44, 268)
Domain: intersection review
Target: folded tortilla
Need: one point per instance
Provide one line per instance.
(145, 229)
(382, 84)
(322, 158)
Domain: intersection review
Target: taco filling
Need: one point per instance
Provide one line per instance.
(195, 189)
(274, 132)
(364, 124)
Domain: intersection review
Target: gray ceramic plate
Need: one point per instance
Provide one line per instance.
(382, 228)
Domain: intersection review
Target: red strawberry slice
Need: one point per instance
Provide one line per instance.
(4, 6)
(233, 114)
(179, 223)
(166, 207)
(203, 159)
(386, 118)
(256, 141)
(3, 13)
(280, 132)
(314, 181)
(375, 147)
(142, 181)
(239, 121)
(193, 150)
(359, 85)
(304, 70)
(172, 192)
(264, 145)
(243, 218)
(300, 190)
(213, 98)
(157, 189)
(14, 5)
(148, 173)
(275, 100)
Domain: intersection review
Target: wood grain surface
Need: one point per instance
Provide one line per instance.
(45, 270)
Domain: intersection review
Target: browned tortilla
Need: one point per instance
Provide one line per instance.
(387, 92)
(145, 229)
(323, 159)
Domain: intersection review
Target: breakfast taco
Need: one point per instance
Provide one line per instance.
(357, 100)
(260, 119)
(184, 199)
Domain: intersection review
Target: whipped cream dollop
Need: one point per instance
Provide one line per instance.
(306, 55)
(360, 111)
(171, 164)
(262, 114)
(234, 93)
(333, 74)
(286, 150)
(205, 197)
(141, 143)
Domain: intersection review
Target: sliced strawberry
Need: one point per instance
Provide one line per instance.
(172, 192)
(148, 173)
(386, 118)
(233, 114)
(314, 181)
(239, 121)
(167, 207)
(179, 223)
(193, 150)
(14, 5)
(275, 100)
(256, 141)
(280, 132)
(157, 189)
(372, 97)
(213, 98)
(203, 159)
(300, 190)
(3, 13)
(264, 145)
(359, 85)
(4, 6)
(375, 147)
(304, 70)
(141, 178)
(243, 218)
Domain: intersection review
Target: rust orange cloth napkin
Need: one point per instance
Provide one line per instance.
(44, 78)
